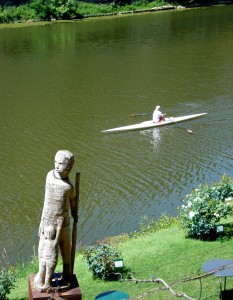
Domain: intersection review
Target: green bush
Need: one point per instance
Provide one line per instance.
(16, 14)
(41, 9)
(55, 9)
(100, 260)
(64, 9)
(7, 280)
(204, 207)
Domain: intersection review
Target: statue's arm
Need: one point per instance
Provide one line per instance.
(59, 227)
(73, 205)
(41, 227)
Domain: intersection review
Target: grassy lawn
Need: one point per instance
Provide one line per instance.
(166, 254)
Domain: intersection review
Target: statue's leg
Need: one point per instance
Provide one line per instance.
(40, 277)
(50, 267)
(64, 243)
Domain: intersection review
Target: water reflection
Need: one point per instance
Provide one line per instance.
(154, 136)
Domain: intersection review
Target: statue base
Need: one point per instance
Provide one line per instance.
(72, 293)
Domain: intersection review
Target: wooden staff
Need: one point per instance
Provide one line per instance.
(74, 231)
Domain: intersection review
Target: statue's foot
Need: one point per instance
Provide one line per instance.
(38, 286)
(47, 288)
(36, 278)
(39, 280)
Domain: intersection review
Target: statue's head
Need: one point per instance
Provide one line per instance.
(64, 161)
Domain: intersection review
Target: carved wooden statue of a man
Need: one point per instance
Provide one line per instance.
(58, 203)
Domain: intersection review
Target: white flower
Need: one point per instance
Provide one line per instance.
(191, 214)
(228, 199)
(189, 204)
(216, 215)
(196, 199)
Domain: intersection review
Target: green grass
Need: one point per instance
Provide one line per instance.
(166, 254)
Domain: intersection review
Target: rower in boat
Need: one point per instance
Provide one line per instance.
(151, 124)
(157, 115)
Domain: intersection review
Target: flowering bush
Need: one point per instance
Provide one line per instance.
(204, 207)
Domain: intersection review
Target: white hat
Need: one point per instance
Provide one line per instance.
(157, 107)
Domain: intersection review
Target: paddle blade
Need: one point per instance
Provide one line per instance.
(141, 115)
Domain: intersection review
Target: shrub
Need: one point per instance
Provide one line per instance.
(100, 260)
(204, 207)
(65, 9)
(55, 9)
(7, 279)
(41, 9)
(10, 14)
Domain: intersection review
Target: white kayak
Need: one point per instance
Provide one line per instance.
(151, 124)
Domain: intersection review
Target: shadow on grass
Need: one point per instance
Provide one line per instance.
(228, 232)
(227, 295)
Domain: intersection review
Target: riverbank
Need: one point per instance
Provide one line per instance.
(31, 13)
(166, 254)
(158, 8)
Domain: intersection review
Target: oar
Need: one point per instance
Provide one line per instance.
(190, 131)
(141, 115)
(74, 231)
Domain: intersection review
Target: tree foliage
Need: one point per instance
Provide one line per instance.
(55, 9)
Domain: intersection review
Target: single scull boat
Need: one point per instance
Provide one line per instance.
(151, 124)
